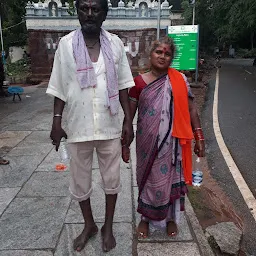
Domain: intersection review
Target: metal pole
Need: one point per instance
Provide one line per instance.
(158, 19)
(1, 35)
(194, 14)
(2, 44)
(197, 58)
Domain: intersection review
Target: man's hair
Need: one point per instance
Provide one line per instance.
(103, 3)
(164, 40)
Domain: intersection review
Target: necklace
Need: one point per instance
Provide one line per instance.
(91, 46)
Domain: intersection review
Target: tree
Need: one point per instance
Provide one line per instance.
(224, 21)
(243, 19)
(13, 22)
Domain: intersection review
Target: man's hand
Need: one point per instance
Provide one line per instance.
(127, 133)
(199, 148)
(57, 134)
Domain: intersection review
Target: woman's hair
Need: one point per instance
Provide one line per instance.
(103, 3)
(164, 40)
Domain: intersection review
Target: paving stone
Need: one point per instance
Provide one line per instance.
(32, 223)
(49, 163)
(9, 139)
(6, 196)
(25, 253)
(184, 233)
(122, 232)
(29, 117)
(19, 170)
(123, 212)
(133, 162)
(41, 149)
(46, 184)
(36, 137)
(163, 249)
(43, 123)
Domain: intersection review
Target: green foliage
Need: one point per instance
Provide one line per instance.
(245, 53)
(13, 13)
(72, 8)
(224, 22)
(20, 69)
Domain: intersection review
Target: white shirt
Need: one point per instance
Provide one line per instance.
(88, 118)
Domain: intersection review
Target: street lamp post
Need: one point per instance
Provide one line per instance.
(194, 14)
(2, 41)
(158, 19)
(171, 14)
(193, 3)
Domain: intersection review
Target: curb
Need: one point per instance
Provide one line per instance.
(197, 230)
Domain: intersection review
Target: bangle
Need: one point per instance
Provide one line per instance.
(198, 134)
(57, 115)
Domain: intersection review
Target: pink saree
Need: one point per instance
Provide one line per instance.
(159, 171)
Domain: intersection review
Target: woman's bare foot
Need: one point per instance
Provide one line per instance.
(82, 239)
(172, 228)
(142, 229)
(108, 239)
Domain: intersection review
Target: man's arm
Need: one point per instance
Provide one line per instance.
(133, 108)
(57, 132)
(127, 133)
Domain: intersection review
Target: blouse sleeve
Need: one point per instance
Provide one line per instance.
(190, 94)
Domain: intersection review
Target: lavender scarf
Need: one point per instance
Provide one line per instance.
(85, 72)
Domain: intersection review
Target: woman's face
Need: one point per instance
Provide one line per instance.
(161, 57)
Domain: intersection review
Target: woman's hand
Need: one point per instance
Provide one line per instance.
(199, 148)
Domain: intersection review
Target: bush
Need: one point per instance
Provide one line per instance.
(19, 69)
(245, 53)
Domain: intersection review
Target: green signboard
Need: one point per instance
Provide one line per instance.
(186, 42)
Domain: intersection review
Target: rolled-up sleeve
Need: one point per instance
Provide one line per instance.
(56, 85)
(125, 78)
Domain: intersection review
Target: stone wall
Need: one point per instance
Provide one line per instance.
(43, 44)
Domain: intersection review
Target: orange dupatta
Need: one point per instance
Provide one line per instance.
(181, 127)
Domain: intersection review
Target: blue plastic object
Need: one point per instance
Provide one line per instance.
(15, 90)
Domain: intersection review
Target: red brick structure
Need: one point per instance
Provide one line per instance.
(43, 44)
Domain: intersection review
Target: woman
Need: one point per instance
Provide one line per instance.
(166, 117)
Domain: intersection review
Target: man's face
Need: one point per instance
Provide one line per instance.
(91, 15)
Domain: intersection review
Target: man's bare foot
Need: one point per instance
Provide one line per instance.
(172, 228)
(142, 229)
(108, 239)
(82, 239)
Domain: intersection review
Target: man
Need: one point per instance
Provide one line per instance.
(91, 74)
